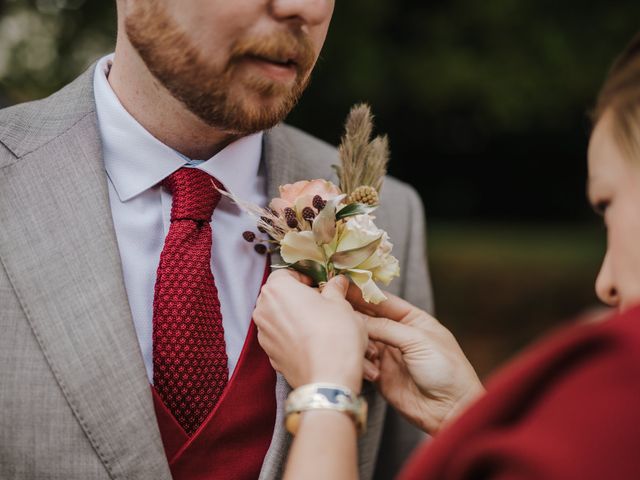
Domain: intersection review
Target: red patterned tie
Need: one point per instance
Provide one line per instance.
(190, 367)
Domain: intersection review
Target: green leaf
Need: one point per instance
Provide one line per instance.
(347, 259)
(354, 209)
(314, 270)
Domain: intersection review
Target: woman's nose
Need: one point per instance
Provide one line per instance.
(605, 284)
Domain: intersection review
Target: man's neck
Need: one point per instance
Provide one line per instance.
(158, 111)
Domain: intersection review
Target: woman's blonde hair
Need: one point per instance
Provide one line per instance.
(620, 95)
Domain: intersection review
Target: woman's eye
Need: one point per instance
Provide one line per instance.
(601, 207)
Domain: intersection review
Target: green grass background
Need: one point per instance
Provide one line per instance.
(500, 286)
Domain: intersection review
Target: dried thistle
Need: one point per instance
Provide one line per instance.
(267, 220)
(364, 194)
(318, 202)
(363, 161)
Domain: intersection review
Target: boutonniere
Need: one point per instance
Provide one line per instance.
(323, 230)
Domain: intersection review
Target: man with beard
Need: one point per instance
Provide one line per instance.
(126, 287)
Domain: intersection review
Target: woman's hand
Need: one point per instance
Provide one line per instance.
(318, 337)
(423, 372)
(311, 336)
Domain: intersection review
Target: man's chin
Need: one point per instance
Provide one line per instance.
(249, 112)
(246, 118)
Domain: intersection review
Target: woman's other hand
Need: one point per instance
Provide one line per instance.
(311, 336)
(423, 372)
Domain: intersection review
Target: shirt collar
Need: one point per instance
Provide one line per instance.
(135, 160)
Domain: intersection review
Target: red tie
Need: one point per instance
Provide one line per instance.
(190, 367)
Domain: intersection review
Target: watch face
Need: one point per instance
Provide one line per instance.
(323, 396)
(333, 395)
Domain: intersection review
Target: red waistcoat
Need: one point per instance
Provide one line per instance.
(233, 441)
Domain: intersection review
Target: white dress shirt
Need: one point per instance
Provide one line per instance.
(136, 162)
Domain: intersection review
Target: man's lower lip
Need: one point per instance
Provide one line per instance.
(275, 70)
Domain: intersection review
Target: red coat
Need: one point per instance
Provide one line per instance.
(567, 409)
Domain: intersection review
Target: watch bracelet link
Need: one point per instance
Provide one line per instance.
(324, 396)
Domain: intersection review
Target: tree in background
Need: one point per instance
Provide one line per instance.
(46, 43)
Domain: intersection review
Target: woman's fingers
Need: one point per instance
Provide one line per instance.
(284, 289)
(393, 308)
(390, 332)
(336, 288)
(287, 273)
(371, 367)
(371, 371)
(372, 352)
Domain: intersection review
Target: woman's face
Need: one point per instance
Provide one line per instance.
(614, 192)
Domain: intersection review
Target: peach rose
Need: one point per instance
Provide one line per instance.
(300, 194)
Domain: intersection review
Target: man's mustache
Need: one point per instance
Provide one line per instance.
(282, 47)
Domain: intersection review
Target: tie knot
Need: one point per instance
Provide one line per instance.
(194, 194)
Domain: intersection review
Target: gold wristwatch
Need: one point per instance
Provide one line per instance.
(324, 396)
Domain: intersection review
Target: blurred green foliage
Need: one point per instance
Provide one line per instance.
(44, 44)
(485, 102)
(499, 286)
(514, 64)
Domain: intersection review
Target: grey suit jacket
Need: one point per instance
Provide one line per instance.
(75, 401)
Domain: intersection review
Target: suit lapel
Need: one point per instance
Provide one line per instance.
(280, 170)
(58, 246)
(291, 155)
(286, 161)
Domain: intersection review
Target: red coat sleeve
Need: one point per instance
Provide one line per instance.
(568, 409)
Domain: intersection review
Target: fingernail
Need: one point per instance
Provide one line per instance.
(372, 352)
(371, 373)
(343, 281)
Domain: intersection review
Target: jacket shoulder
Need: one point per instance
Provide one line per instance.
(301, 154)
(320, 155)
(28, 126)
(305, 143)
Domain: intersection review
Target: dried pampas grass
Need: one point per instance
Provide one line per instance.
(363, 161)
